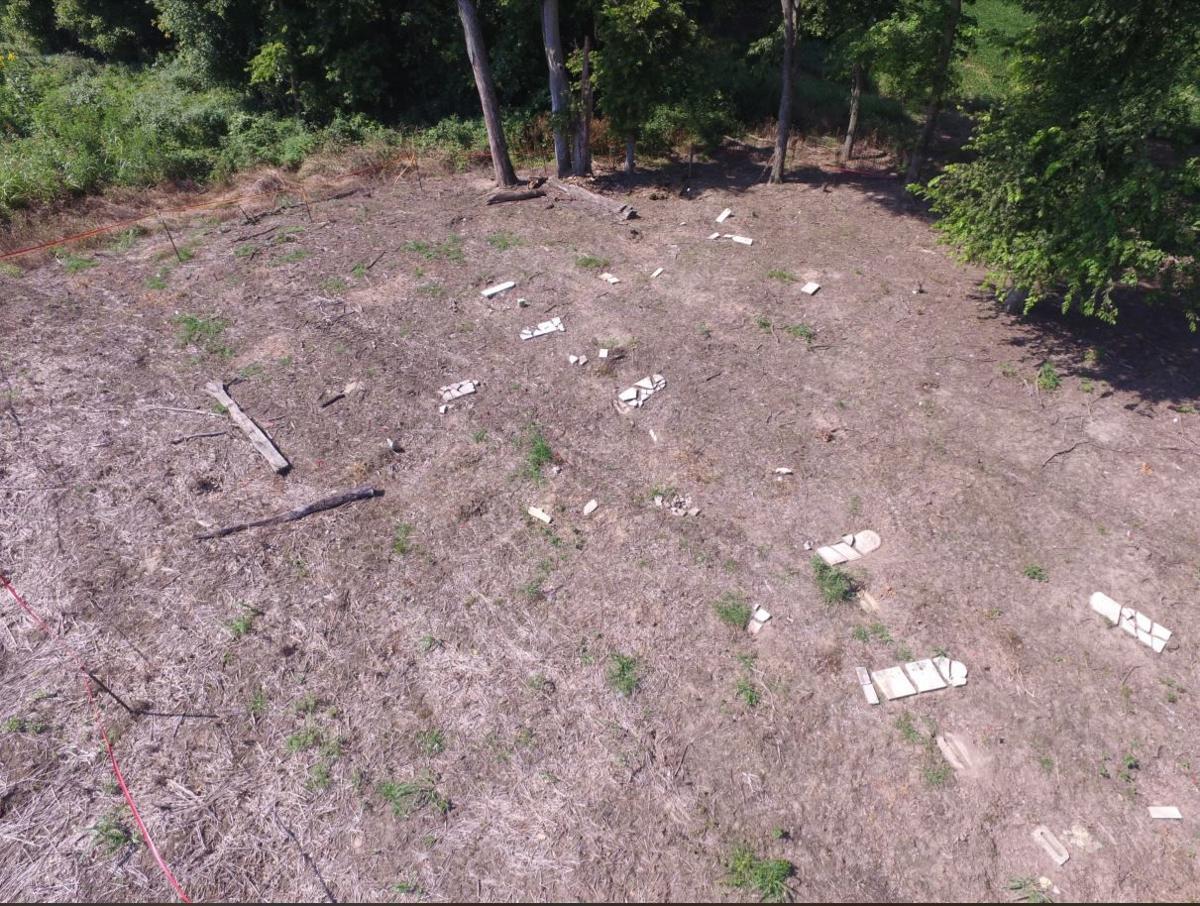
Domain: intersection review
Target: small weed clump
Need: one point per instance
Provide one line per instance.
(450, 250)
(801, 332)
(748, 692)
(733, 610)
(111, 834)
(1036, 573)
(836, 585)
(591, 262)
(782, 276)
(1048, 379)
(766, 877)
(503, 241)
(75, 263)
(538, 453)
(623, 673)
(402, 539)
(413, 795)
(432, 741)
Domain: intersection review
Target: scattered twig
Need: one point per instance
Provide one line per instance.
(307, 859)
(143, 712)
(180, 440)
(256, 235)
(515, 195)
(333, 399)
(327, 503)
(258, 438)
(715, 374)
(376, 261)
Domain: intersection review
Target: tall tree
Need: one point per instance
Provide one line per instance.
(583, 125)
(856, 87)
(951, 16)
(560, 97)
(1085, 177)
(787, 77)
(477, 52)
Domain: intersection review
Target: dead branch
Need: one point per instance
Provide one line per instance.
(326, 503)
(515, 195)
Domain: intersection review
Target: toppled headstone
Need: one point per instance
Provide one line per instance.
(1137, 624)
(724, 215)
(554, 324)
(810, 288)
(498, 288)
(757, 620)
(1165, 812)
(928, 675)
(677, 504)
(540, 514)
(590, 507)
(609, 278)
(782, 472)
(603, 353)
(963, 757)
(454, 391)
(577, 359)
(656, 273)
(1047, 841)
(851, 547)
(443, 409)
(742, 240)
(715, 236)
(633, 397)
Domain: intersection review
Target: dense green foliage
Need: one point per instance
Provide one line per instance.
(1086, 176)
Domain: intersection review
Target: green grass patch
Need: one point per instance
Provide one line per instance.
(402, 539)
(448, 250)
(748, 692)
(591, 262)
(1048, 378)
(111, 834)
(203, 332)
(834, 584)
(782, 276)
(538, 453)
(503, 241)
(801, 332)
(767, 878)
(413, 795)
(732, 609)
(73, 263)
(1036, 573)
(623, 673)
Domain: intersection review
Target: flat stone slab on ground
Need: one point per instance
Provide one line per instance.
(810, 288)
(893, 683)
(1050, 843)
(454, 391)
(1165, 812)
(851, 547)
(554, 324)
(498, 288)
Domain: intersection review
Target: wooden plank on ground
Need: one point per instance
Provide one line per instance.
(257, 437)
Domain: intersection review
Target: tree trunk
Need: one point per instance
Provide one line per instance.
(505, 175)
(855, 99)
(583, 129)
(941, 78)
(785, 97)
(630, 147)
(560, 98)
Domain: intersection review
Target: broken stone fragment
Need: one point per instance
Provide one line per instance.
(1050, 844)
(783, 470)
(590, 507)
(724, 215)
(859, 545)
(454, 391)
(609, 279)
(810, 288)
(554, 324)
(1137, 624)
(540, 515)
(715, 236)
(742, 240)
(953, 672)
(444, 409)
(603, 353)
(498, 288)
(656, 273)
(864, 680)
(758, 620)
(572, 358)
(893, 683)
(633, 397)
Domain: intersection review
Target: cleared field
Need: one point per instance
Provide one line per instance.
(430, 694)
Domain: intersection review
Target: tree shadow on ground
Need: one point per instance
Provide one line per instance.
(1149, 352)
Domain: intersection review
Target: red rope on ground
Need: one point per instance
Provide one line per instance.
(87, 686)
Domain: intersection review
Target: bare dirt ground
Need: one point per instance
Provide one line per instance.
(438, 633)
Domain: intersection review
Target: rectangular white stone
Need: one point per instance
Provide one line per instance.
(924, 675)
(656, 273)
(810, 288)
(1054, 849)
(498, 288)
(609, 278)
(724, 215)
(893, 683)
(870, 694)
(783, 470)
(628, 395)
(742, 240)
(762, 614)
(541, 515)
(1106, 607)
(1165, 812)
(715, 236)
(753, 627)
(604, 353)
(590, 507)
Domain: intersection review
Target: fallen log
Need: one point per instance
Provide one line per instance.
(326, 503)
(515, 195)
(258, 438)
(618, 209)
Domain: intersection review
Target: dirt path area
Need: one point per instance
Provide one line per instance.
(421, 694)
